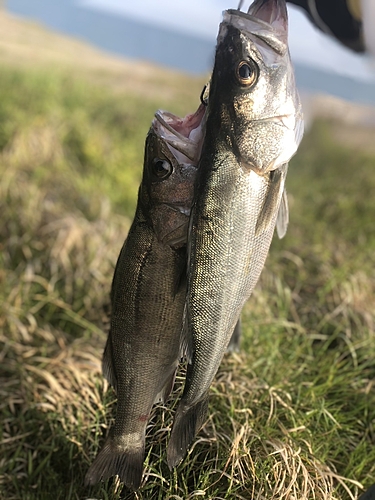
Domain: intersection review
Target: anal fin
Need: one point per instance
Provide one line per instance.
(272, 199)
(167, 388)
(108, 364)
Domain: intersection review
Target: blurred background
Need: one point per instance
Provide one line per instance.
(181, 35)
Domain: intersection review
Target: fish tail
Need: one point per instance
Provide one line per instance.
(186, 425)
(114, 460)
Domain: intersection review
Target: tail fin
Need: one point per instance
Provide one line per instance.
(186, 425)
(114, 460)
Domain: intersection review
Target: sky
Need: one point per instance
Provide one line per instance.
(202, 17)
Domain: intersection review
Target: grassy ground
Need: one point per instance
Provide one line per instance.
(291, 417)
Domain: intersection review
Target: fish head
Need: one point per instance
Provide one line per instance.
(171, 157)
(253, 88)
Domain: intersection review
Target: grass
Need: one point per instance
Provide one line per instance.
(291, 416)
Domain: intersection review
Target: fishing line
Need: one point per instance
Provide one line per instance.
(203, 100)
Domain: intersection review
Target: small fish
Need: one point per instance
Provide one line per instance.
(254, 126)
(143, 348)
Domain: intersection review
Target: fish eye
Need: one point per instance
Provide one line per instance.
(246, 73)
(161, 169)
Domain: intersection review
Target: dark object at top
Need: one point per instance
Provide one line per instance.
(335, 18)
(369, 494)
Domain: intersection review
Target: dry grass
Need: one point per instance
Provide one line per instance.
(285, 415)
(25, 44)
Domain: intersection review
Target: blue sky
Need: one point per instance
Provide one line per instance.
(202, 17)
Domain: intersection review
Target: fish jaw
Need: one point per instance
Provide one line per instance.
(166, 201)
(263, 121)
(184, 136)
(273, 12)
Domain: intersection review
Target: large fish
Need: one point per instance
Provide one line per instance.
(148, 293)
(254, 125)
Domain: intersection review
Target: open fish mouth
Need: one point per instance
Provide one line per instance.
(266, 21)
(184, 136)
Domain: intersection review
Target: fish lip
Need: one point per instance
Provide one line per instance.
(159, 115)
(250, 17)
(264, 31)
(177, 132)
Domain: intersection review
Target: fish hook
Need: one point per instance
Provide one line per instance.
(203, 100)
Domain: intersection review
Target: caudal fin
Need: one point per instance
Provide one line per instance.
(112, 460)
(186, 425)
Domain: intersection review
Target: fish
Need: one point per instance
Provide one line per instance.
(254, 125)
(143, 348)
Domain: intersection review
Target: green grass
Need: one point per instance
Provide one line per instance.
(291, 416)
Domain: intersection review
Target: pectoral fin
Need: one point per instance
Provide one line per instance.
(282, 220)
(272, 199)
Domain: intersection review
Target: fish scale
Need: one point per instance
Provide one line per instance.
(228, 281)
(143, 348)
(253, 128)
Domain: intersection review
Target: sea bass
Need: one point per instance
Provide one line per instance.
(143, 348)
(254, 126)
